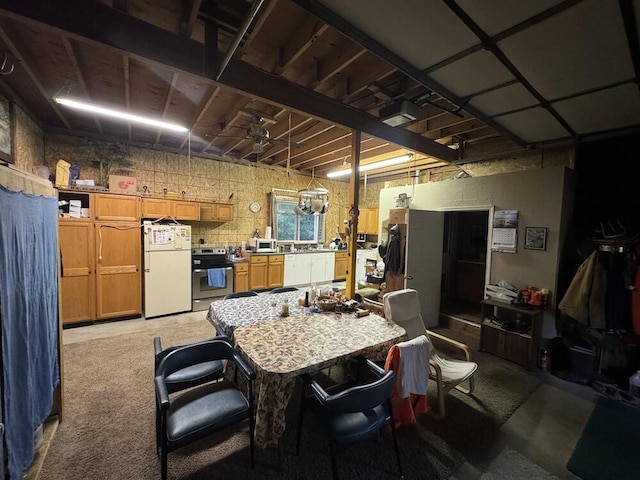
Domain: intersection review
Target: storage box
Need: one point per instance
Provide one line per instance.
(398, 215)
(121, 184)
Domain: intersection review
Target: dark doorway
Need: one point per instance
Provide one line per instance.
(464, 264)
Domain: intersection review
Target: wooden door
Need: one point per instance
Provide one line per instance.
(258, 272)
(112, 207)
(118, 276)
(276, 271)
(240, 277)
(371, 221)
(224, 212)
(155, 207)
(77, 278)
(185, 210)
(341, 265)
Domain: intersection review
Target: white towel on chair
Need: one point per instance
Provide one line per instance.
(413, 374)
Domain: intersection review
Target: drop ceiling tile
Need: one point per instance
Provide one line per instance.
(495, 16)
(473, 73)
(533, 125)
(602, 110)
(578, 49)
(422, 32)
(507, 99)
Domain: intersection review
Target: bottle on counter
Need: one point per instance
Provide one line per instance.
(313, 294)
(285, 308)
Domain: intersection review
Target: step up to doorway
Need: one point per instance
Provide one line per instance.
(460, 324)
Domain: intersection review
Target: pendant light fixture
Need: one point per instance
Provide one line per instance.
(312, 199)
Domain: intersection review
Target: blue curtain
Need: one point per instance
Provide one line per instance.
(29, 315)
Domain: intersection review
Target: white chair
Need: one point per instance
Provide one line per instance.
(403, 307)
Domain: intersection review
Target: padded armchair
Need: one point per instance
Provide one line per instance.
(204, 409)
(403, 308)
(354, 414)
(249, 293)
(186, 378)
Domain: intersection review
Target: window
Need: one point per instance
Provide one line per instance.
(291, 227)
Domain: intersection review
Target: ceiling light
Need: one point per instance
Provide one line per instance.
(372, 166)
(107, 112)
(399, 113)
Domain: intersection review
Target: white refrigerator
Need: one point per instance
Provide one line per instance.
(167, 269)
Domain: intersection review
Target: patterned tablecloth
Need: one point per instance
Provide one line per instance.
(229, 314)
(281, 349)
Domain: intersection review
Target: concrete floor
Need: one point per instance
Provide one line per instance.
(545, 429)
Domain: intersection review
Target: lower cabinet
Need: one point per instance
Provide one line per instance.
(100, 270)
(266, 271)
(341, 265)
(308, 268)
(240, 277)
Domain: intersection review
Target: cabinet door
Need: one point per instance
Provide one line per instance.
(241, 277)
(362, 220)
(208, 212)
(258, 272)
(343, 214)
(185, 210)
(155, 208)
(116, 207)
(341, 265)
(290, 270)
(118, 279)
(224, 212)
(77, 279)
(276, 271)
(371, 221)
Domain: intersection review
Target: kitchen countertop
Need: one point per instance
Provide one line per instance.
(319, 250)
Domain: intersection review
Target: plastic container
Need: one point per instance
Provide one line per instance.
(634, 385)
(285, 309)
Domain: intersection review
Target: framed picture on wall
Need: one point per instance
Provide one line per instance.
(6, 136)
(535, 238)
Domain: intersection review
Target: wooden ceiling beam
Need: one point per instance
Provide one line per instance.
(126, 72)
(96, 21)
(25, 65)
(83, 84)
(215, 91)
(306, 136)
(303, 37)
(340, 58)
(280, 131)
(190, 11)
(167, 101)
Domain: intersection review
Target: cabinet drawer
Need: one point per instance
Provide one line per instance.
(241, 267)
(276, 259)
(259, 259)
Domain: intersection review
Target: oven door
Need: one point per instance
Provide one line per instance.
(202, 288)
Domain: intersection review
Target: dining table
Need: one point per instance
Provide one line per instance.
(281, 348)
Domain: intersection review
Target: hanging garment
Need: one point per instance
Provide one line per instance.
(410, 361)
(584, 299)
(392, 259)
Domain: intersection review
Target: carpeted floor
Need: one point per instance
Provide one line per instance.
(510, 465)
(108, 426)
(613, 455)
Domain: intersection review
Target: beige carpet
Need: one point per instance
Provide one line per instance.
(510, 465)
(108, 427)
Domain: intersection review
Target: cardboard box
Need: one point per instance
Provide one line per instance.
(119, 184)
(398, 215)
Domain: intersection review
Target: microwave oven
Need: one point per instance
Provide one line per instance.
(265, 245)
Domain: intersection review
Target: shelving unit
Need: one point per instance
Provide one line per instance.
(521, 348)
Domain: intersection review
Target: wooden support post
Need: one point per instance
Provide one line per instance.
(354, 192)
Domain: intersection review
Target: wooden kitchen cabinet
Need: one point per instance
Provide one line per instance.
(343, 214)
(341, 265)
(216, 212)
(368, 221)
(122, 208)
(77, 276)
(184, 210)
(156, 207)
(118, 278)
(275, 271)
(241, 277)
(258, 266)
(521, 348)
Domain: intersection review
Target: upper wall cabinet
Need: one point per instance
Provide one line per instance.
(216, 212)
(113, 207)
(163, 207)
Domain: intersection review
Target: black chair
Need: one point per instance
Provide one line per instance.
(186, 378)
(249, 293)
(284, 289)
(354, 414)
(204, 409)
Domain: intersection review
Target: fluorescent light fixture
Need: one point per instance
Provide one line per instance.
(372, 166)
(107, 112)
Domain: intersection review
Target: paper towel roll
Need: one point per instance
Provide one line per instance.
(267, 233)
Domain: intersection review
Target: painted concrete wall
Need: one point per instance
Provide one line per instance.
(542, 200)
